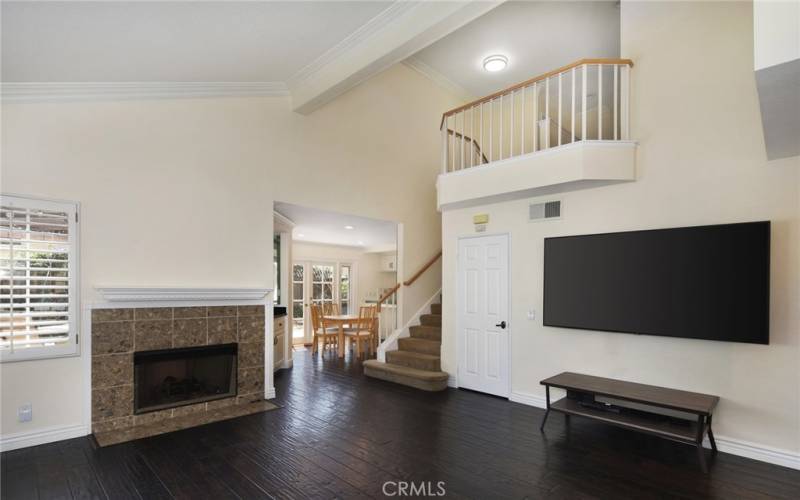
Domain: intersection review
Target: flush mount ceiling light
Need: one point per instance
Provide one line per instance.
(349, 227)
(495, 63)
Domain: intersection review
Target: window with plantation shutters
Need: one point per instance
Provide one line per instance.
(38, 278)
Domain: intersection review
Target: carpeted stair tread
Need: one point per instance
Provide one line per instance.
(420, 379)
(423, 346)
(420, 361)
(426, 332)
(436, 309)
(431, 320)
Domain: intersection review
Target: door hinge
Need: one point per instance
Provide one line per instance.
(76, 216)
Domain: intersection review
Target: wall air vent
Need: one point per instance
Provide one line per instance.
(544, 211)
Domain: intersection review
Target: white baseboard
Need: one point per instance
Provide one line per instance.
(288, 363)
(41, 436)
(733, 446)
(528, 399)
(755, 451)
(269, 393)
(452, 381)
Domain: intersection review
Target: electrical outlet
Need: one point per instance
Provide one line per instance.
(25, 413)
(531, 314)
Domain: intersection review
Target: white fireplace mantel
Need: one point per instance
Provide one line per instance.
(169, 294)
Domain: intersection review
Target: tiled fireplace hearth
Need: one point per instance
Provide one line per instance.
(120, 334)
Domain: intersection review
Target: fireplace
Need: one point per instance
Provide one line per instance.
(177, 377)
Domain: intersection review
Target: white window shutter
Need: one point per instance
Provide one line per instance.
(38, 278)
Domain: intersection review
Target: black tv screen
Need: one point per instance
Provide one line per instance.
(706, 282)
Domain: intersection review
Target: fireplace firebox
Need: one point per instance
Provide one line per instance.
(178, 377)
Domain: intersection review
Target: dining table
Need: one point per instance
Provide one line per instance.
(340, 320)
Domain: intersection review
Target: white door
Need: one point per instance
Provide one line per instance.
(483, 321)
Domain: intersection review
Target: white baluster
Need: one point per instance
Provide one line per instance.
(444, 146)
(599, 102)
(502, 117)
(585, 117)
(572, 108)
(547, 113)
(616, 88)
(625, 112)
(482, 142)
(452, 134)
(491, 132)
(522, 119)
(463, 131)
(535, 115)
(559, 108)
(511, 127)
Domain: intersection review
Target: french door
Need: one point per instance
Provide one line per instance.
(318, 283)
(482, 315)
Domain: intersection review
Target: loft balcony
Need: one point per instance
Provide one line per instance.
(566, 129)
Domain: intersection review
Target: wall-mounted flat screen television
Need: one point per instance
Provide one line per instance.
(705, 282)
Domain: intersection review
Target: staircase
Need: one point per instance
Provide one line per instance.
(417, 361)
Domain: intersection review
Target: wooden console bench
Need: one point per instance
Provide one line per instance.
(687, 418)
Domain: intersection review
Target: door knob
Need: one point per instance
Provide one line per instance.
(502, 325)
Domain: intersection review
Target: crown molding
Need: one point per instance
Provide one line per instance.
(386, 17)
(87, 91)
(159, 294)
(424, 69)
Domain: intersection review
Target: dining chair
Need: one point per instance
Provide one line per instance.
(328, 335)
(363, 330)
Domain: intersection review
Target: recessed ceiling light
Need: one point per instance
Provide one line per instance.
(494, 63)
(349, 227)
(301, 235)
(360, 242)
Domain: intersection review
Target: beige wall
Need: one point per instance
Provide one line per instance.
(701, 160)
(178, 192)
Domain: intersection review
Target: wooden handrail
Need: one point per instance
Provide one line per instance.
(386, 296)
(533, 80)
(408, 282)
(457, 135)
(424, 268)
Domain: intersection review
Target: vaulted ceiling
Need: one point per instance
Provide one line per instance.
(311, 50)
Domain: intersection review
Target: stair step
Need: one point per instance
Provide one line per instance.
(420, 379)
(416, 360)
(426, 332)
(436, 309)
(431, 320)
(423, 346)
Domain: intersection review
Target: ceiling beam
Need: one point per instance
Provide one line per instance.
(397, 33)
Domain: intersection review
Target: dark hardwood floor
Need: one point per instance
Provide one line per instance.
(340, 434)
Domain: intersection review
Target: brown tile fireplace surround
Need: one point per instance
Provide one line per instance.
(119, 333)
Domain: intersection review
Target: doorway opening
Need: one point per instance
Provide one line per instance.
(338, 262)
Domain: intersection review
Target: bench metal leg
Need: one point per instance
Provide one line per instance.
(546, 413)
(544, 420)
(711, 436)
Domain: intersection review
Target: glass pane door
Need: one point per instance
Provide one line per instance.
(345, 289)
(298, 301)
(322, 280)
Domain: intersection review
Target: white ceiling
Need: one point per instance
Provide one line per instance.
(537, 37)
(321, 226)
(180, 41)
